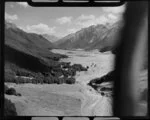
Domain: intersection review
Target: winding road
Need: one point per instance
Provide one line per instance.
(93, 104)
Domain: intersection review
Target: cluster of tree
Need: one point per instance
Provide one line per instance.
(106, 78)
(40, 78)
(79, 67)
(106, 89)
(56, 80)
(62, 73)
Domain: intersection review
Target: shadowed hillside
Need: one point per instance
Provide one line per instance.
(28, 50)
(30, 43)
(24, 60)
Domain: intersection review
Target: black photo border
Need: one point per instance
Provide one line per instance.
(51, 4)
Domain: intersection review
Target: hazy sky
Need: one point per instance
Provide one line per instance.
(59, 21)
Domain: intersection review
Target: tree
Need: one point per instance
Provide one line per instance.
(11, 91)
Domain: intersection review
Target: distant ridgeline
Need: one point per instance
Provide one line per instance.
(28, 59)
(102, 37)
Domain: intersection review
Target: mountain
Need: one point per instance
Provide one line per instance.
(82, 38)
(102, 37)
(10, 25)
(28, 50)
(50, 38)
(110, 38)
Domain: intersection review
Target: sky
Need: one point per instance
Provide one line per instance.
(59, 21)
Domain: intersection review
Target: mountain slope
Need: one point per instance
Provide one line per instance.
(50, 38)
(94, 37)
(28, 50)
(82, 38)
(110, 39)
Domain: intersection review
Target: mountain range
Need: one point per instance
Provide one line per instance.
(100, 37)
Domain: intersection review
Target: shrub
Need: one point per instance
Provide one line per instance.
(70, 80)
(56, 80)
(46, 74)
(18, 94)
(61, 80)
(34, 81)
(39, 78)
(65, 65)
(79, 67)
(106, 89)
(56, 58)
(11, 91)
(102, 93)
(9, 108)
(48, 80)
(65, 73)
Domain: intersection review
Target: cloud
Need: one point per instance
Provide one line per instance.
(86, 17)
(112, 16)
(114, 10)
(109, 15)
(66, 32)
(72, 30)
(10, 17)
(24, 4)
(88, 20)
(64, 20)
(85, 20)
(40, 29)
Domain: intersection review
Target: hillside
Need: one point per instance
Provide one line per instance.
(29, 43)
(28, 50)
(99, 37)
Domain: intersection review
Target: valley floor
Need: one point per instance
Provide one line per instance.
(77, 99)
(58, 100)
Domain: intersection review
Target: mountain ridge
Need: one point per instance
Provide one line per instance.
(99, 36)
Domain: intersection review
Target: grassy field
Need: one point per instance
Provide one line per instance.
(46, 99)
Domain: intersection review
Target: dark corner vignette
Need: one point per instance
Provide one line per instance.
(120, 55)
